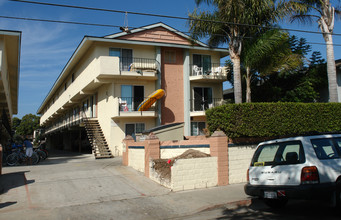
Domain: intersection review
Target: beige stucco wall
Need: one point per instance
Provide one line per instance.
(239, 161)
(136, 159)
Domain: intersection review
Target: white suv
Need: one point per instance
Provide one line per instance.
(304, 167)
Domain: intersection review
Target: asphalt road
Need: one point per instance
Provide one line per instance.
(294, 210)
(76, 186)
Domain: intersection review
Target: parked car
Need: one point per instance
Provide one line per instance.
(304, 167)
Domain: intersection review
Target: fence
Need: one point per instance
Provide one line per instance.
(185, 173)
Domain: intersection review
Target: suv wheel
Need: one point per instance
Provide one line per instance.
(276, 203)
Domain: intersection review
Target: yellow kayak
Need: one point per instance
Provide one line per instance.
(150, 100)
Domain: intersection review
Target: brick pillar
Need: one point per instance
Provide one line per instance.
(152, 151)
(218, 148)
(126, 142)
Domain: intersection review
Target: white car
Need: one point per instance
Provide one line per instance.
(304, 167)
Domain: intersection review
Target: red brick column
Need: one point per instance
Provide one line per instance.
(152, 151)
(125, 157)
(218, 148)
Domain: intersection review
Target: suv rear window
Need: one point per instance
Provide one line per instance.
(327, 148)
(282, 153)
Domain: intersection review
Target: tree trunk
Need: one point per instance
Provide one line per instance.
(326, 23)
(331, 70)
(248, 85)
(237, 83)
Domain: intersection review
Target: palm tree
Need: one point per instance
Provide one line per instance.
(268, 53)
(324, 13)
(233, 19)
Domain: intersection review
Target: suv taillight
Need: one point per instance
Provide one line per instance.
(310, 175)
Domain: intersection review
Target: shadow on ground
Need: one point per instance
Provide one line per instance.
(294, 210)
(10, 181)
(59, 157)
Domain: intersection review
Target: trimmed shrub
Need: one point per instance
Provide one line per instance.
(274, 119)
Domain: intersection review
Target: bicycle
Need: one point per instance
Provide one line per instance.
(19, 156)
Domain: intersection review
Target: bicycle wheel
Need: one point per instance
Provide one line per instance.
(41, 154)
(12, 159)
(35, 158)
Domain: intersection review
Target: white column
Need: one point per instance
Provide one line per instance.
(187, 119)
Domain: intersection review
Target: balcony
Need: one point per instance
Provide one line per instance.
(200, 105)
(126, 107)
(208, 72)
(128, 68)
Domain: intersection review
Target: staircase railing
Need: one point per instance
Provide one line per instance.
(97, 142)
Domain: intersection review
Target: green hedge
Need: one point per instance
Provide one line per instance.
(274, 119)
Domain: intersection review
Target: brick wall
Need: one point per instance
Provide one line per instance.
(186, 173)
(136, 158)
(194, 173)
(239, 160)
(170, 152)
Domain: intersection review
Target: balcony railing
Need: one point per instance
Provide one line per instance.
(202, 104)
(138, 64)
(208, 69)
(130, 104)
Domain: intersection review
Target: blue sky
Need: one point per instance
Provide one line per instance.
(46, 47)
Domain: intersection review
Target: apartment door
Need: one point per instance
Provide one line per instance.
(132, 96)
(202, 98)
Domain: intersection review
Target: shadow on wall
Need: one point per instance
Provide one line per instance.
(167, 116)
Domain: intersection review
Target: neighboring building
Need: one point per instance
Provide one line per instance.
(10, 44)
(108, 77)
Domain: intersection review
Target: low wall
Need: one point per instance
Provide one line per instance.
(186, 174)
(170, 151)
(194, 173)
(239, 161)
(136, 157)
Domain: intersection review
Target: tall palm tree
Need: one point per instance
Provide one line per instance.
(268, 53)
(234, 18)
(323, 13)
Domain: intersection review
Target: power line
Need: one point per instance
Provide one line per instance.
(55, 21)
(109, 25)
(165, 16)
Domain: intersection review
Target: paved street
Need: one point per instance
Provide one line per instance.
(76, 186)
(295, 210)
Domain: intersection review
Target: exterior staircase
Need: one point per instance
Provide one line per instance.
(96, 138)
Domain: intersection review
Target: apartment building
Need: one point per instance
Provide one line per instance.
(10, 44)
(107, 78)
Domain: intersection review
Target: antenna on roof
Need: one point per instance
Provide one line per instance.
(125, 27)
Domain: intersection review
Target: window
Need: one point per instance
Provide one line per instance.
(125, 55)
(132, 129)
(202, 61)
(170, 56)
(325, 149)
(197, 128)
(284, 153)
(202, 98)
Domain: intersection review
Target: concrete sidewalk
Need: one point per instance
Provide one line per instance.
(80, 187)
